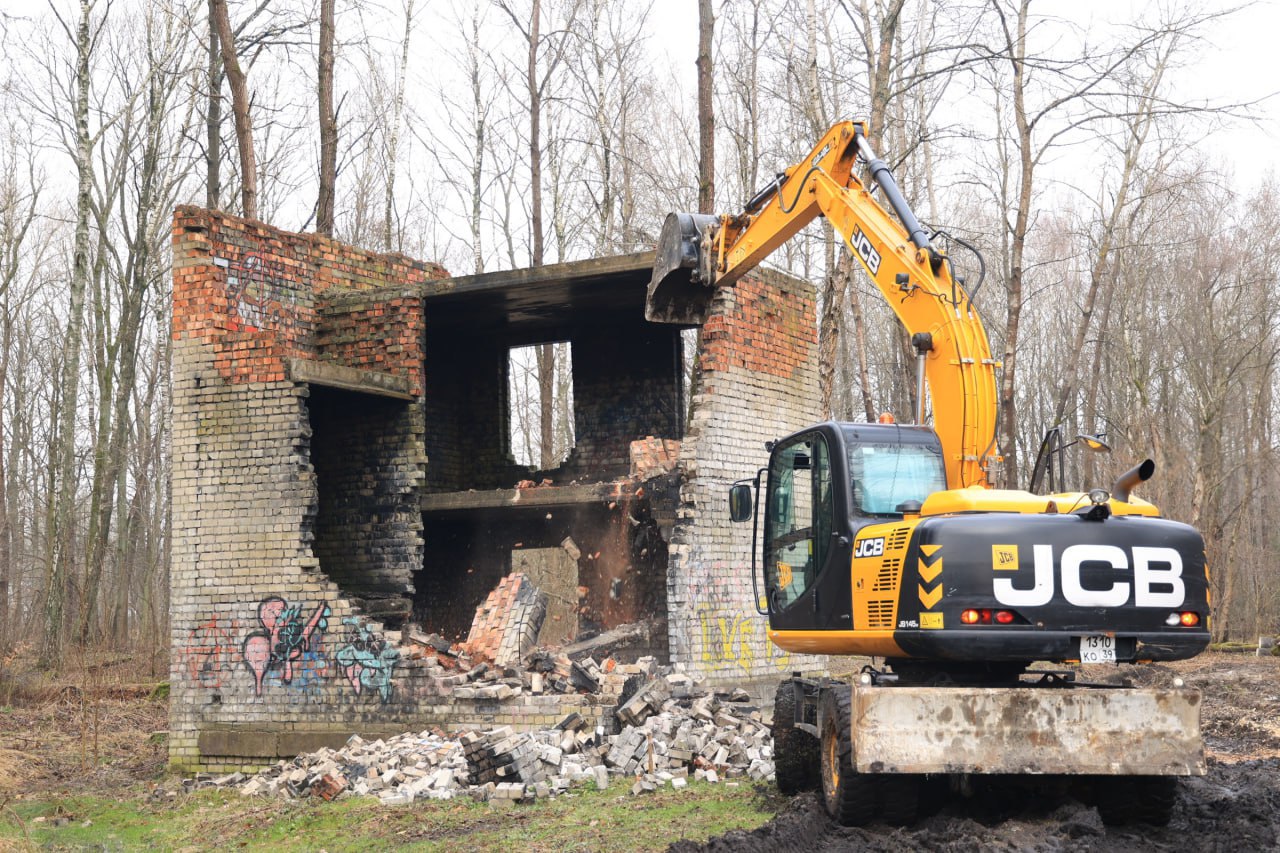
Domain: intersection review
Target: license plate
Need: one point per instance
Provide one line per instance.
(1097, 648)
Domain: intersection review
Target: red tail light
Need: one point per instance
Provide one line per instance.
(1004, 617)
(1190, 618)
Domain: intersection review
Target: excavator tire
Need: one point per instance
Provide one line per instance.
(899, 799)
(795, 752)
(849, 796)
(1123, 800)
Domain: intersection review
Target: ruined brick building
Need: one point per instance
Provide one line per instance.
(341, 472)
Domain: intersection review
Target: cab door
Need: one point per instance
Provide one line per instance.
(800, 535)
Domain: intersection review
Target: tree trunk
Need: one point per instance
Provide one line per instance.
(328, 124)
(61, 563)
(213, 120)
(1008, 427)
(706, 111)
(239, 109)
(393, 144)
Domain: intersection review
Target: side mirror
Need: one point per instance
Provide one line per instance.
(740, 502)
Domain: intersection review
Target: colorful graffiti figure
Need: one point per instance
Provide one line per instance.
(367, 661)
(283, 640)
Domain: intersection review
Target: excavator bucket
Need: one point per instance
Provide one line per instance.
(681, 287)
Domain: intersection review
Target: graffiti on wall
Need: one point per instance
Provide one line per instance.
(724, 635)
(258, 291)
(209, 651)
(729, 637)
(284, 639)
(367, 661)
(288, 650)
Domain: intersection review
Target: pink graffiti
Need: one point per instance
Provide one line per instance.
(283, 640)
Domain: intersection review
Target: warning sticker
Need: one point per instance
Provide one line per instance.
(784, 575)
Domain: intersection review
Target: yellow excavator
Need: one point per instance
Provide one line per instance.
(889, 540)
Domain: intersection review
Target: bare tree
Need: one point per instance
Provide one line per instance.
(706, 110)
(328, 123)
(239, 108)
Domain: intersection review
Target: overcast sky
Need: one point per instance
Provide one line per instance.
(1241, 63)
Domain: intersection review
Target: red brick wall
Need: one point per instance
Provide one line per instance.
(770, 330)
(251, 291)
(380, 331)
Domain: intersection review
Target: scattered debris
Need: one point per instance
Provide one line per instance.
(664, 741)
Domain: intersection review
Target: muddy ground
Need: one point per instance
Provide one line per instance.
(1235, 807)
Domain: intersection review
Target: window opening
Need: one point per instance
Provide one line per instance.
(540, 376)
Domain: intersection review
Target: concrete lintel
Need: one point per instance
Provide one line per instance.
(570, 271)
(349, 378)
(539, 496)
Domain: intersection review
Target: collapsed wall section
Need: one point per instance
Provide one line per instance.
(756, 378)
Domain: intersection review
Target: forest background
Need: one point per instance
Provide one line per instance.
(1113, 163)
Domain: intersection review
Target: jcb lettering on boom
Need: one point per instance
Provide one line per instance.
(1153, 569)
(866, 251)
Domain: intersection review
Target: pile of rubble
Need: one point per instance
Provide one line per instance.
(500, 660)
(668, 734)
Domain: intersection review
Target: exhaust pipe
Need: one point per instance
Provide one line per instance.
(1130, 479)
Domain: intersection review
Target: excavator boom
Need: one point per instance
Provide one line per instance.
(698, 253)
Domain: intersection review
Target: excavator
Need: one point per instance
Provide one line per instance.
(890, 541)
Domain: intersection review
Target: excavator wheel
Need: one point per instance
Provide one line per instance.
(1125, 800)
(849, 796)
(795, 751)
(899, 799)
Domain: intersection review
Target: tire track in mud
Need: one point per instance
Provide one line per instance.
(1235, 807)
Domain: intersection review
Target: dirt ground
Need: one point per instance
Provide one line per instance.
(1235, 807)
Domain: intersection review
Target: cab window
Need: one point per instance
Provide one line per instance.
(885, 475)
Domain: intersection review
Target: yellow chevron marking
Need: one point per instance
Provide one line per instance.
(930, 572)
(929, 550)
(930, 598)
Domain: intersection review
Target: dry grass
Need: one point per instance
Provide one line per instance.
(91, 726)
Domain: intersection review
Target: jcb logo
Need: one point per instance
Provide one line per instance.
(870, 548)
(863, 247)
(1157, 578)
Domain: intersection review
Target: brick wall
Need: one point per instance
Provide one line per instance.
(756, 380)
(369, 462)
(626, 385)
(466, 405)
(296, 515)
(265, 645)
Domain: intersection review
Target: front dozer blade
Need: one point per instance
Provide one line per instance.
(679, 292)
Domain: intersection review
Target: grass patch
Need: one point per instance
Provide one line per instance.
(584, 819)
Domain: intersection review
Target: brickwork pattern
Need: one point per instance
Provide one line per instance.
(756, 380)
(370, 465)
(384, 330)
(626, 384)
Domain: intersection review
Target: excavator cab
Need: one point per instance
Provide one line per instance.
(823, 485)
